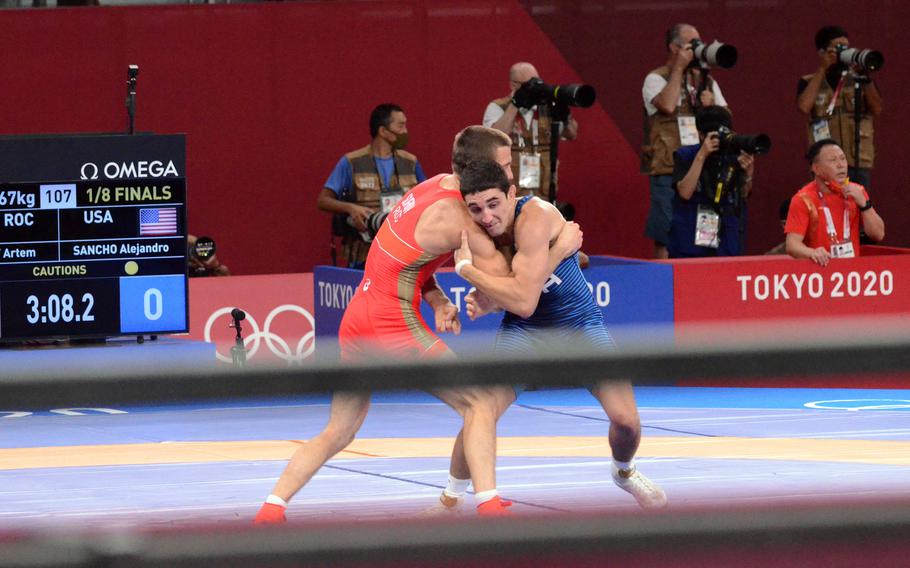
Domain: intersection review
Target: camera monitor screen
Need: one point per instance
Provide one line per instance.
(94, 256)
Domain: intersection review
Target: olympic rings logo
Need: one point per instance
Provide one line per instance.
(276, 344)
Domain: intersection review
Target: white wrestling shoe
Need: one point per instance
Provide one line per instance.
(446, 507)
(645, 491)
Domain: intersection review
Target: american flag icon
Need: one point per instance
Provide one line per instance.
(154, 222)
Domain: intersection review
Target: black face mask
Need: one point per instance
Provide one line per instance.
(401, 141)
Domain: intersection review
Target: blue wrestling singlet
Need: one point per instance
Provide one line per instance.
(566, 304)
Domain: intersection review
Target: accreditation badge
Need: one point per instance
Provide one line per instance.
(529, 171)
(688, 134)
(843, 249)
(389, 199)
(820, 130)
(707, 228)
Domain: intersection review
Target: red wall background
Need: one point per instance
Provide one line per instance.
(270, 95)
(613, 45)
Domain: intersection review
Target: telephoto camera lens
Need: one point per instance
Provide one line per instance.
(573, 95)
(868, 59)
(204, 248)
(733, 143)
(715, 54)
(374, 222)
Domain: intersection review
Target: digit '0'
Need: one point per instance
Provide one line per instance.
(147, 304)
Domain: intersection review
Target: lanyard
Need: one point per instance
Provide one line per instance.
(519, 128)
(691, 91)
(829, 220)
(840, 87)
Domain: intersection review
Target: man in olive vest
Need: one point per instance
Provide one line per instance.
(530, 134)
(827, 98)
(671, 94)
(367, 183)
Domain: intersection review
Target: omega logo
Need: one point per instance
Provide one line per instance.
(140, 169)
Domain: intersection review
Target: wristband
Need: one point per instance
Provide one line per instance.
(866, 207)
(461, 264)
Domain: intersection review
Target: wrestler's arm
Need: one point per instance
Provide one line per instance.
(433, 237)
(531, 266)
(478, 304)
(444, 311)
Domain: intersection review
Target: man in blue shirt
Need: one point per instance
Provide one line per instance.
(712, 184)
(367, 183)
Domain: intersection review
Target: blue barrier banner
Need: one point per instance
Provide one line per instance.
(476, 336)
(333, 288)
(636, 298)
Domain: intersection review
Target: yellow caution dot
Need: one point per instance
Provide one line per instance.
(131, 267)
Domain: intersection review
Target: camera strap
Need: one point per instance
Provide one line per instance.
(529, 163)
(723, 181)
(520, 127)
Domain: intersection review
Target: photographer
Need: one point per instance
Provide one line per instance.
(827, 97)
(712, 181)
(201, 259)
(529, 126)
(671, 95)
(367, 183)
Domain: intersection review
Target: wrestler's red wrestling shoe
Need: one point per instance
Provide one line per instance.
(495, 507)
(270, 514)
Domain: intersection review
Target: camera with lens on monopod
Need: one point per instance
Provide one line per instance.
(535, 92)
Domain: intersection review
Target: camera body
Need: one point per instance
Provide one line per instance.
(535, 92)
(732, 143)
(867, 59)
(715, 54)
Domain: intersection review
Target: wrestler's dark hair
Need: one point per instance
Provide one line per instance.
(827, 34)
(476, 143)
(481, 175)
(382, 116)
(815, 149)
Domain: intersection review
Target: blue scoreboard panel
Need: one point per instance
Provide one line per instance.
(92, 258)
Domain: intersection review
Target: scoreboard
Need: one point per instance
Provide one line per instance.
(93, 257)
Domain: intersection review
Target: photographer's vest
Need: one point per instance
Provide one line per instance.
(527, 142)
(662, 130)
(369, 188)
(841, 124)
